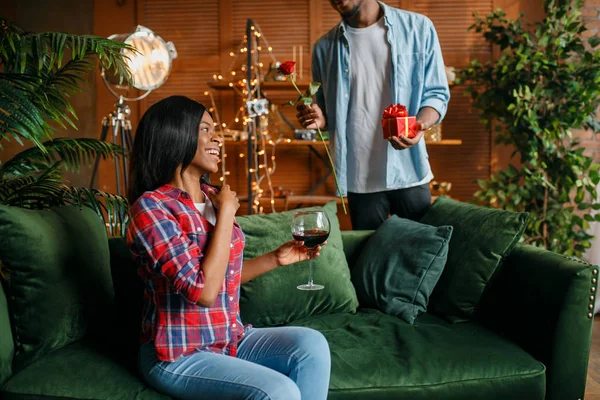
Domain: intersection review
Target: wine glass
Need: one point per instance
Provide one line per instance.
(312, 228)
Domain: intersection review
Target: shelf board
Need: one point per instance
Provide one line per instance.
(293, 142)
(446, 142)
(285, 142)
(265, 86)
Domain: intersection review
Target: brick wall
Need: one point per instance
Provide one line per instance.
(591, 16)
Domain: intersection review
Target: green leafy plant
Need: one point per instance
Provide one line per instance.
(39, 74)
(545, 84)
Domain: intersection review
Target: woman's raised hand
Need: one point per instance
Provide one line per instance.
(226, 200)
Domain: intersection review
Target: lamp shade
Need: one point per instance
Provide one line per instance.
(151, 64)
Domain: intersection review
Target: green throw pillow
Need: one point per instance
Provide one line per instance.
(59, 284)
(481, 239)
(272, 298)
(399, 267)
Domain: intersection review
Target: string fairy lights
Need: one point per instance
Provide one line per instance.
(262, 142)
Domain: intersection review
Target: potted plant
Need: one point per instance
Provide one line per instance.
(39, 72)
(544, 85)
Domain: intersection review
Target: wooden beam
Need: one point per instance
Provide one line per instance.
(139, 5)
(142, 105)
(315, 20)
(225, 34)
(225, 101)
(406, 4)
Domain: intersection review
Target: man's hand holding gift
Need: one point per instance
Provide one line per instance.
(404, 131)
(403, 142)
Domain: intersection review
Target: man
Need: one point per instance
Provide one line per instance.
(378, 56)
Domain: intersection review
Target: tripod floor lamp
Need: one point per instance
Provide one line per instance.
(150, 64)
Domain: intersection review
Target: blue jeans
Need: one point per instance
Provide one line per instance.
(287, 363)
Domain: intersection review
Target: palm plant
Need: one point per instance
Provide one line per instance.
(38, 74)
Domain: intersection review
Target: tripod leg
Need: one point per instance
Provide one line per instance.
(125, 145)
(116, 129)
(128, 135)
(102, 138)
(128, 147)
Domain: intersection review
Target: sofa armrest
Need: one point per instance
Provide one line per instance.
(353, 242)
(544, 302)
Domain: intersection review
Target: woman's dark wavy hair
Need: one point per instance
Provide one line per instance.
(166, 138)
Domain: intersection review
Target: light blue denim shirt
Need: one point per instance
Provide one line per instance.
(418, 80)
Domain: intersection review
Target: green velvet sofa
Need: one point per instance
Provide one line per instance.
(530, 338)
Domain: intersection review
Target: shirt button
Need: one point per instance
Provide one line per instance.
(231, 245)
(199, 229)
(233, 325)
(346, 70)
(231, 298)
(231, 272)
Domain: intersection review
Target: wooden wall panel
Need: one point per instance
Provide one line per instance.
(284, 25)
(193, 26)
(187, 83)
(451, 20)
(329, 17)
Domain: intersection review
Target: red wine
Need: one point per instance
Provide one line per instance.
(312, 237)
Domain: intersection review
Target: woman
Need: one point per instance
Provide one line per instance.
(189, 248)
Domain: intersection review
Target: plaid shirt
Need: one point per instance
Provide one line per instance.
(168, 237)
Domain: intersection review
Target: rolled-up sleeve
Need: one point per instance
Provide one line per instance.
(436, 93)
(155, 234)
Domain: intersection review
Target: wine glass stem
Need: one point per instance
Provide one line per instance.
(310, 272)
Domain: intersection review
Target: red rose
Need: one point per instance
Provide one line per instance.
(287, 68)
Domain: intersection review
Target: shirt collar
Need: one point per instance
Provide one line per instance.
(172, 192)
(176, 193)
(386, 16)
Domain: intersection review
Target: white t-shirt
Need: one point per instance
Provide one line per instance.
(370, 94)
(207, 210)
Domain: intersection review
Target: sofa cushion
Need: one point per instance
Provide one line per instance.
(354, 243)
(378, 356)
(81, 370)
(59, 285)
(272, 299)
(481, 239)
(400, 265)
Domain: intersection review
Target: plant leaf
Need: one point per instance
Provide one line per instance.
(313, 88)
(73, 152)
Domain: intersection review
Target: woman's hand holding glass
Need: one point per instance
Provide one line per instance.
(294, 251)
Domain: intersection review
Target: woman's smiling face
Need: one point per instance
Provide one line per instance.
(209, 147)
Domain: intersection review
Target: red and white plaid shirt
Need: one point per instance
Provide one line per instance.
(168, 237)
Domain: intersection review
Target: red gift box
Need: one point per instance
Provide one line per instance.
(396, 122)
